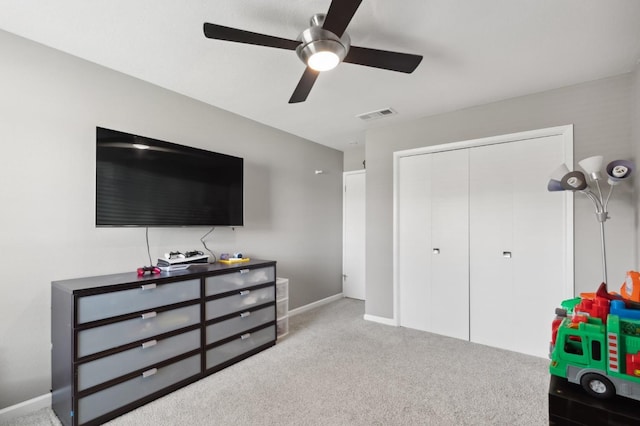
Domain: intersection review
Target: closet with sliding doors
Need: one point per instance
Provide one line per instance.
(483, 252)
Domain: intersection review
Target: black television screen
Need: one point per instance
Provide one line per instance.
(147, 182)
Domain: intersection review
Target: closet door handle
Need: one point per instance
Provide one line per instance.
(436, 251)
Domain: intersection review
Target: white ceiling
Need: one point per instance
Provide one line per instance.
(475, 52)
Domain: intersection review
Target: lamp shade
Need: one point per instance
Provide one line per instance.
(592, 166)
(574, 181)
(619, 170)
(554, 185)
(559, 172)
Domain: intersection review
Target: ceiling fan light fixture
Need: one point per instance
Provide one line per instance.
(322, 50)
(323, 60)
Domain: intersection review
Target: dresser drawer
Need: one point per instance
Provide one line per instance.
(100, 403)
(151, 352)
(241, 301)
(147, 296)
(150, 324)
(236, 325)
(241, 345)
(237, 280)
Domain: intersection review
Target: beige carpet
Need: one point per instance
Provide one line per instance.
(335, 368)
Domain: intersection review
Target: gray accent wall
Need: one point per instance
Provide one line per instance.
(50, 105)
(354, 159)
(635, 142)
(601, 114)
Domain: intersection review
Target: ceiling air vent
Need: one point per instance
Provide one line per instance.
(374, 115)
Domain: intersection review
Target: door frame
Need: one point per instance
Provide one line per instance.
(566, 132)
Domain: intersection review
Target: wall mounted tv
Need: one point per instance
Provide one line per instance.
(151, 183)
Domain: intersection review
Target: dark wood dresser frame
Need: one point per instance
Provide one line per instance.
(226, 313)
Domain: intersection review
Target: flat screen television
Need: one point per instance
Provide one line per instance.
(151, 183)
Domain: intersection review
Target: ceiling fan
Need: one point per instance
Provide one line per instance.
(322, 46)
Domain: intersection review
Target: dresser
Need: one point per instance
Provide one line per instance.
(120, 341)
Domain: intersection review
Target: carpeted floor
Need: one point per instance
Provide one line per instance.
(335, 368)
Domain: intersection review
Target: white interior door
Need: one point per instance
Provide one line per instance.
(353, 257)
(434, 244)
(448, 301)
(520, 238)
(517, 244)
(413, 256)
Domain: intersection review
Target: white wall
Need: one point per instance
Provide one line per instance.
(600, 112)
(50, 105)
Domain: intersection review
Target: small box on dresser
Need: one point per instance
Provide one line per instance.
(120, 341)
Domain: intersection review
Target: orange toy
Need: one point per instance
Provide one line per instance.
(630, 289)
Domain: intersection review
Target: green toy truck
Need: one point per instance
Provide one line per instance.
(596, 343)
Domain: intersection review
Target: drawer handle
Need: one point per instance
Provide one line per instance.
(149, 344)
(244, 271)
(245, 336)
(506, 254)
(148, 315)
(245, 314)
(149, 373)
(245, 292)
(148, 286)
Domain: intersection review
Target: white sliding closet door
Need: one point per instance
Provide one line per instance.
(483, 252)
(433, 253)
(517, 244)
(449, 281)
(414, 235)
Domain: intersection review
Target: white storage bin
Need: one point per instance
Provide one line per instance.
(282, 308)
(282, 327)
(282, 288)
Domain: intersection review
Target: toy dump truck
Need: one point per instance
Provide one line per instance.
(596, 343)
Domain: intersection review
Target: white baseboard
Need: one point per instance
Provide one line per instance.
(381, 320)
(320, 302)
(25, 407)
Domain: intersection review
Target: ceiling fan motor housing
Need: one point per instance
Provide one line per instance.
(316, 39)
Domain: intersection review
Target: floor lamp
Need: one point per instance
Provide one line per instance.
(617, 171)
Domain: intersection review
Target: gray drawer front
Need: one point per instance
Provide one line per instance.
(238, 280)
(238, 302)
(107, 305)
(151, 352)
(98, 339)
(107, 400)
(243, 322)
(222, 353)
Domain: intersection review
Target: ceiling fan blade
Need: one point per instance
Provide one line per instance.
(304, 86)
(393, 61)
(220, 32)
(339, 15)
